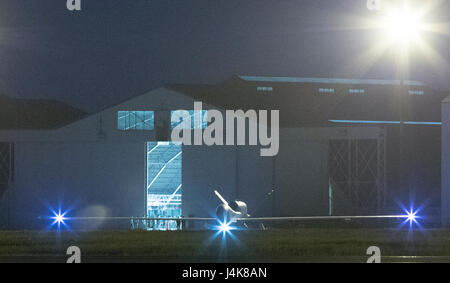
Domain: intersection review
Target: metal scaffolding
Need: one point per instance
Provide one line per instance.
(6, 166)
(6, 177)
(357, 175)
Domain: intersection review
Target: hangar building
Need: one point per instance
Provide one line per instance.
(342, 150)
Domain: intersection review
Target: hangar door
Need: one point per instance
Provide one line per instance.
(164, 182)
(356, 176)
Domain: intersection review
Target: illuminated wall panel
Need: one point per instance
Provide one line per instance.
(135, 120)
(164, 185)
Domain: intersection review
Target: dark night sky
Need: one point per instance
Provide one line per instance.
(115, 49)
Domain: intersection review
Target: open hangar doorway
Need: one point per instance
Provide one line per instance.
(164, 184)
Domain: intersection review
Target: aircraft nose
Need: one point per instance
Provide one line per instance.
(221, 212)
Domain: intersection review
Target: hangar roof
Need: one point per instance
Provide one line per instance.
(35, 114)
(311, 102)
(327, 81)
(303, 102)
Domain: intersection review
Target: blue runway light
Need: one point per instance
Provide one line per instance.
(59, 218)
(224, 227)
(411, 217)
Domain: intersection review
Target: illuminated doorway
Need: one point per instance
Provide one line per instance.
(164, 184)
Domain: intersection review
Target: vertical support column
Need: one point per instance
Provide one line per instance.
(274, 189)
(236, 173)
(8, 189)
(330, 197)
(357, 175)
(145, 179)
(445, 161)
(349, 168)
(385, 192)
(381, 170)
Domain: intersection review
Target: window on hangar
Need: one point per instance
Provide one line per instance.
(135, 120)
(326, 90)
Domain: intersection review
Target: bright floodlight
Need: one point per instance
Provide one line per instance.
(411, 217)
(224, 227)
(402, 25)
(59, 218)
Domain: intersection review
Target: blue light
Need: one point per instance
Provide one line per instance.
(223, 234)
(364, 122)
(224, 227)
(423, 123)
(411, 217)
(59, 218)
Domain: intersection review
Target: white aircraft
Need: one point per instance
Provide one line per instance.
(236, 211)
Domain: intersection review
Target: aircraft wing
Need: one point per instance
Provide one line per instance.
(249, 219)
(287, 218)
(144, 218)
(320, 217)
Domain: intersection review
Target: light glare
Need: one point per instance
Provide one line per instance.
(402, 25)
(412, 217)
(224, 227)
(59, 218)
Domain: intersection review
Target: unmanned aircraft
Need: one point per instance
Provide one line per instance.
(236, 212)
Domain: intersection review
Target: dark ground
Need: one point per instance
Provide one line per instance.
(284, 245)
